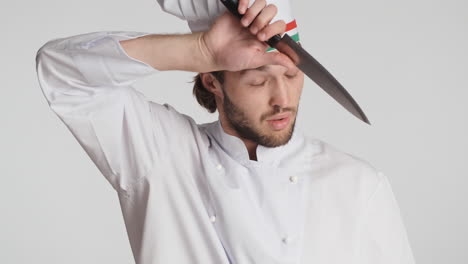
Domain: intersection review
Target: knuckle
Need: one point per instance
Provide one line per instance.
(260, 21)
(253, 29)
(257, 25)
(247, 19)
(268, 32)
(248, 15)
(264, 17)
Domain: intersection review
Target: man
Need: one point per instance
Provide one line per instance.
(248, 188)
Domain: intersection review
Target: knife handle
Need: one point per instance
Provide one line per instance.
(232, 6)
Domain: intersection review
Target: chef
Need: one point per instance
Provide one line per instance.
(249, 188)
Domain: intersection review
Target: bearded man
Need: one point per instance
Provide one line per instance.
(247, 188)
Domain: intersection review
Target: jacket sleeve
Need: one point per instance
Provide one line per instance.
(87, 81)
(384, 237)
(199, 14)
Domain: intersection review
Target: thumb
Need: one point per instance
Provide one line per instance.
(278, 58)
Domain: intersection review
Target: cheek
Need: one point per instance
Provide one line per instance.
(253, 106)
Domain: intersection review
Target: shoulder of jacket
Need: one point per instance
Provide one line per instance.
(344, 161)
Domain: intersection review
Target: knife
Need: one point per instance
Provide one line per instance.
(309, 66)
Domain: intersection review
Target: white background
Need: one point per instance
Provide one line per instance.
(404, 61)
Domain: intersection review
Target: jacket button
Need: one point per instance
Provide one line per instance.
(293, 179)
(213, 218)
(287, 240)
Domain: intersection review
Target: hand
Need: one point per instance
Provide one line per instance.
(235, 46)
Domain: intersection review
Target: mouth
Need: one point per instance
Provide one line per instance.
(279, 122)
(280, 116)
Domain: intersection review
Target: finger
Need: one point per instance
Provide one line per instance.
(278, 58)
(263, 19)
(252, 12)
(243, 5)
(277, 27)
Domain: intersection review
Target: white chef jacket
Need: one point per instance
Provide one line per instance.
(189, 192)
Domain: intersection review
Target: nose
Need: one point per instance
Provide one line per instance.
(280, 94)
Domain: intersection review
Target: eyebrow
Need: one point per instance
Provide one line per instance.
(261, 68)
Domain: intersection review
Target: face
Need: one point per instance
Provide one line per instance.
(261, 105)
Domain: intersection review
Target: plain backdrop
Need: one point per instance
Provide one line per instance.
(404, 61)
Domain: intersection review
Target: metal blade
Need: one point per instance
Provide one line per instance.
(312, 68)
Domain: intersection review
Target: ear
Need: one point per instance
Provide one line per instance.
(211, 84)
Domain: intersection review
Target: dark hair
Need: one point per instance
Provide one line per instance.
(204, 97)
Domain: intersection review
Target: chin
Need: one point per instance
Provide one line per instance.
(276, 138)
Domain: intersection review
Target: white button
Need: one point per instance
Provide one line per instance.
(287, 240)
(213, 218)
(219, 167)
(293, 179)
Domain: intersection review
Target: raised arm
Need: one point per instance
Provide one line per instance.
(227, 45)
(185, 52)
(87, 80)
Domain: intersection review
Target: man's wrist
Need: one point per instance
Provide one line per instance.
(207, 55)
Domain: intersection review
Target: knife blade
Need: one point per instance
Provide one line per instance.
(309, 66)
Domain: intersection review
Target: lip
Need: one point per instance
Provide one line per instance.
(279, 116)
(279, 122)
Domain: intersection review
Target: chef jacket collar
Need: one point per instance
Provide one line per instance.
(236, 148)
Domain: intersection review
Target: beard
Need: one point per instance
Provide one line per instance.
(237, 119)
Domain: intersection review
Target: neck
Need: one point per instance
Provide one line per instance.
(249, 144)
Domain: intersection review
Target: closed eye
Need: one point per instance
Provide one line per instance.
(292, 76)
(258, 84)
(258, 81)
